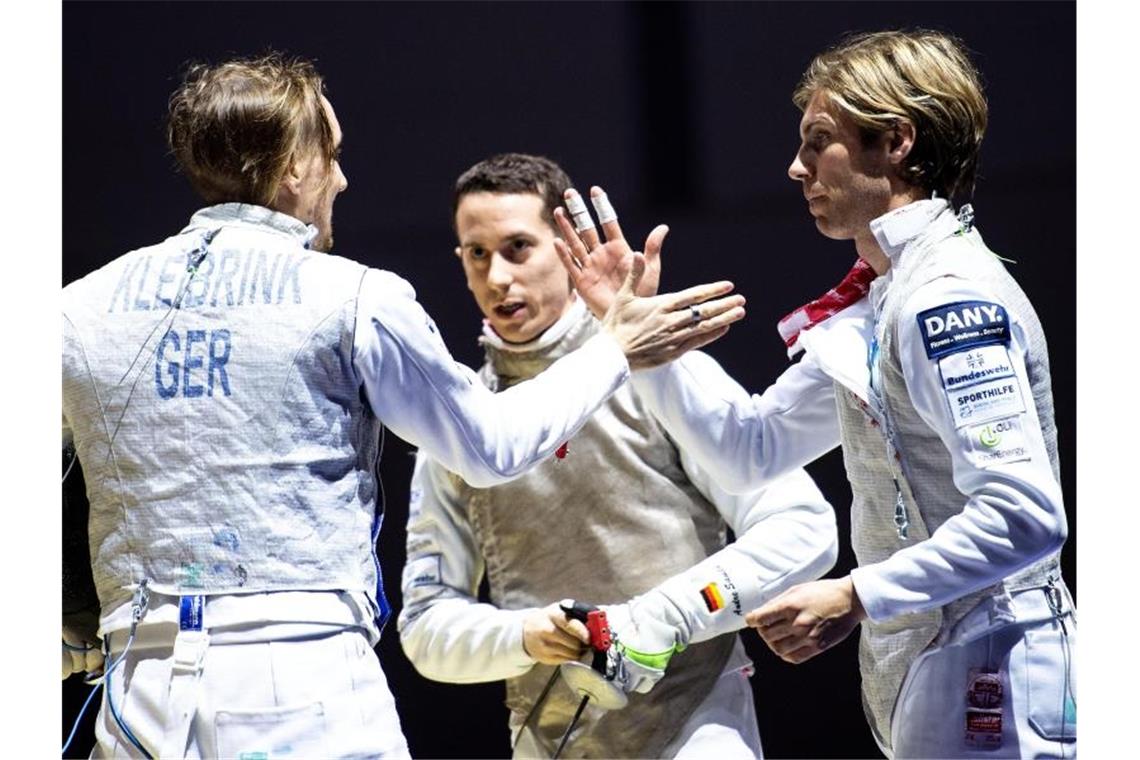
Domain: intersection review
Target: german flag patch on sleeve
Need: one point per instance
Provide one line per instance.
(713, 600)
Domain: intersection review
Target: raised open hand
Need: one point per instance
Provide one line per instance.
(598, 268)
(658, 329)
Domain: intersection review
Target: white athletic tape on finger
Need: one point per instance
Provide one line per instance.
(604, 208)
(577, 208)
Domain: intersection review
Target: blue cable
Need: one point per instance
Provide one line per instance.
(79, 719)
(73, 648)
(111, 702)
(118, 719)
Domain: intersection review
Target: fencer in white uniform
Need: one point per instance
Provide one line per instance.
(928, 364)
(225, 391)
(619, 511)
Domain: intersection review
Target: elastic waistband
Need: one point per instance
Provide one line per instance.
(1024, 606)
(243, 616)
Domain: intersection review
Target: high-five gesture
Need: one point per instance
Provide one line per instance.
(598, 268)
(619, 285)
(658, 329)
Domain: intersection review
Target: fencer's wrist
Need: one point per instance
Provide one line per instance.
(526, 621)
(866, 587)
(665, 610)
(858, 613)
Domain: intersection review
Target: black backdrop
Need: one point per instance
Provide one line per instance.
(681, 111)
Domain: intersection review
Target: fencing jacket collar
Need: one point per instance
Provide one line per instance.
(246, 214)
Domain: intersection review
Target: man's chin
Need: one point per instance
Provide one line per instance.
(516, 333)
(829, 230)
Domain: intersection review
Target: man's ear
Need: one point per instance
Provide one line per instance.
(293, 177)
(288, 189)
(900, 141)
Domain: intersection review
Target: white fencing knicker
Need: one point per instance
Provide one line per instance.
(272, 690)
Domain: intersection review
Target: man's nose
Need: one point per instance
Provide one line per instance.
(499, 274)
(797, 171)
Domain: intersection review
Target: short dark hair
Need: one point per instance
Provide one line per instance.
(515, 173)
(234, 127)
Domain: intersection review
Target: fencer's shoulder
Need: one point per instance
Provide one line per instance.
(380, 286)
(955, 313)
(946, 289)
(76, 292)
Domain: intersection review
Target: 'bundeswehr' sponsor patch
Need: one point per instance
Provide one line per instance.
(961, 325)
(977, 365)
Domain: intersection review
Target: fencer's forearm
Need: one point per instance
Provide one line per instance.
(417, 389)
(793, 546)
(459, 641)
(1005, 526)
(743, 440)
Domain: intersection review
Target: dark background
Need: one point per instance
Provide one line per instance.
(681, 111)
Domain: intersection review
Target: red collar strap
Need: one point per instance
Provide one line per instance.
(854, 287)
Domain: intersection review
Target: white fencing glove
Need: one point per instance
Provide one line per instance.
(645, 637)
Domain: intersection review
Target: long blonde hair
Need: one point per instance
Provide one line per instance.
(920, 75)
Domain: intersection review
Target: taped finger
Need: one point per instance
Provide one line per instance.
(607, 216)
(583, 222)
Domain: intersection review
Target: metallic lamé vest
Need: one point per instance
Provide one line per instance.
(224, 439)
(924, 473)
(611, 520)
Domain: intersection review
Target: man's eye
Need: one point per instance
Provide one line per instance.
(518, 245)
(819, 140)
(478, 253)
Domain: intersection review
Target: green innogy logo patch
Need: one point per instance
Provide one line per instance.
(989, 437)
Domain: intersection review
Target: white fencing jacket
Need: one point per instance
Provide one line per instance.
(945, 358)
(225, 389)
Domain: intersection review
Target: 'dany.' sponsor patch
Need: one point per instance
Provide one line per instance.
(958, 326)
(997, 442)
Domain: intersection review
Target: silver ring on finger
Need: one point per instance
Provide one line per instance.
(695, 314)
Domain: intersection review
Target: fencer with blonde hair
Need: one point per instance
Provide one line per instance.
(928, 365)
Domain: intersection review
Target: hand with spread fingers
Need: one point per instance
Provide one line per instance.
(551, 638)
(808, 619)
(599, 268)
(619, 285)
(657, 330)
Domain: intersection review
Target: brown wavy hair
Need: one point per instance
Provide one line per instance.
(920, 75)
(235, 127)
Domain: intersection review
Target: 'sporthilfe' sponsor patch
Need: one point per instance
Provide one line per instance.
(998, 442)
(985, 402)
(957, 326)
(976, 365)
